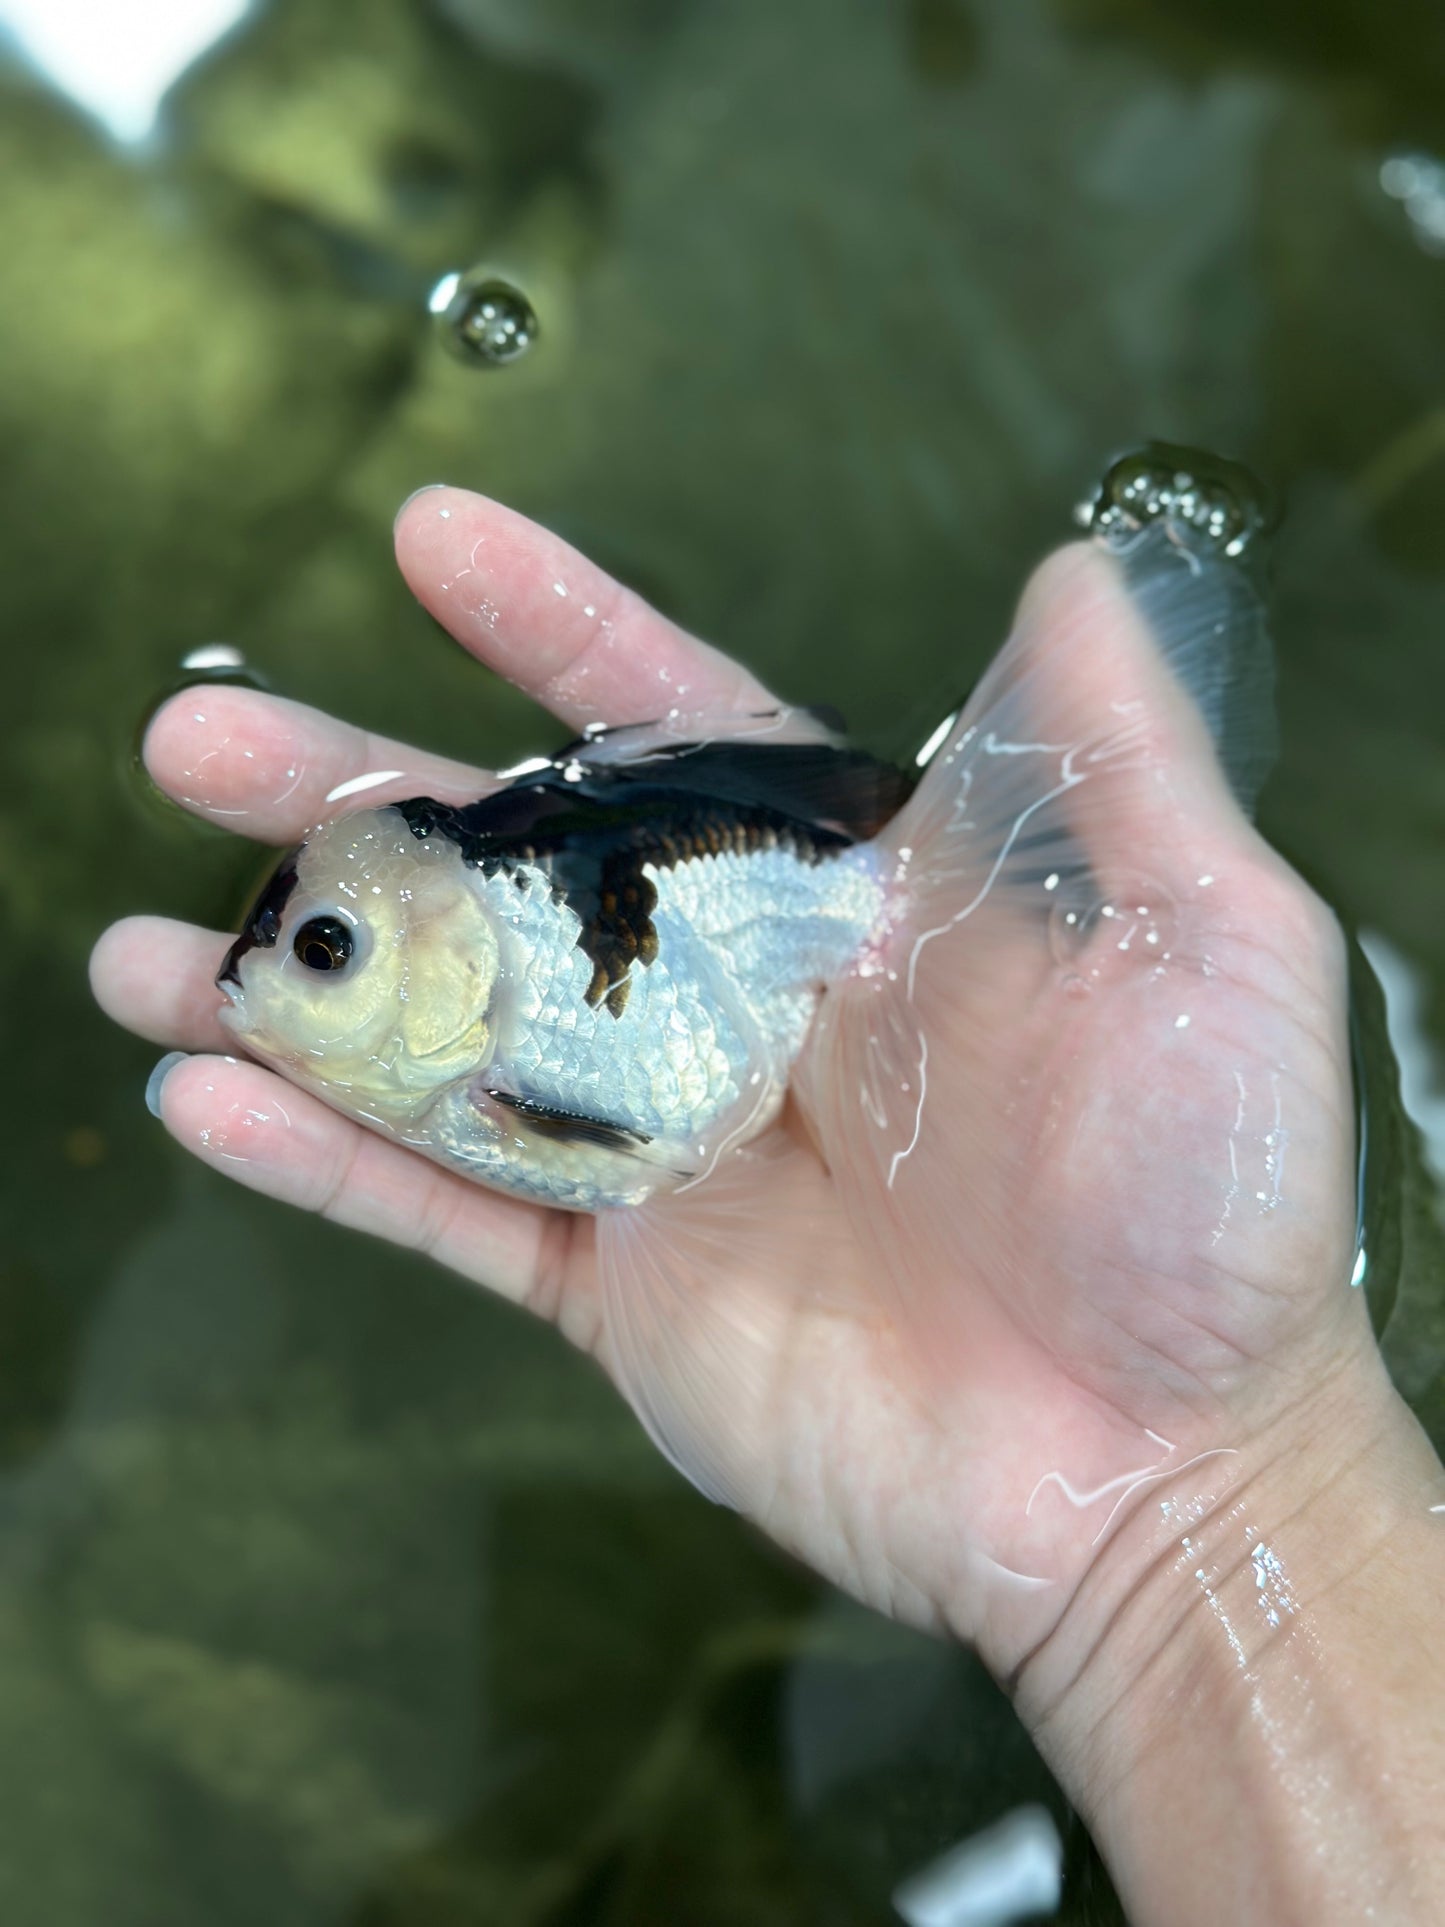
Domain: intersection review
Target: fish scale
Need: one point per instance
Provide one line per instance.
(744, 942)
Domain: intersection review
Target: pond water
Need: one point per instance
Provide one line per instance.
(334, 1592)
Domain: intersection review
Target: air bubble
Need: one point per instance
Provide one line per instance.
(1203, 497)
(484, 320)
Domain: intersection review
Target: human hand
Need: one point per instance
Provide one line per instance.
(947, 1354)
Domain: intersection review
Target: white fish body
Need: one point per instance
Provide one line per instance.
(700, 1053)
(493, 1013)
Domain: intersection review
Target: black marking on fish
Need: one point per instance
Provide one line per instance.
(263, 926)
(827, 784)
(595, 829)
(570, 1127)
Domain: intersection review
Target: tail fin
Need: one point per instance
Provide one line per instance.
(1055, 842)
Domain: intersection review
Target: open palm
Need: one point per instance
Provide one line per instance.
(1062, 1203)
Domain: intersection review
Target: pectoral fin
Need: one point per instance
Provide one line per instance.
(571, 1127)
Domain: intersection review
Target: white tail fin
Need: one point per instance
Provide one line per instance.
(1050, 855)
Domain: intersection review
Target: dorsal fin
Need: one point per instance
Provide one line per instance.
(594, 827)
(827, 786)
(792, 762)
(840, 794)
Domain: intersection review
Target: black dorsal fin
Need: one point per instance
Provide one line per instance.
(793, 761)
(840, 794)
(828, 786)
(825, 783)
(595, 826)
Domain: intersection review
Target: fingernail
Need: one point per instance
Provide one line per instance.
(158, 1077)
(425, 489)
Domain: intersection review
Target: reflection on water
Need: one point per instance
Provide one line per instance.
(332, 1591)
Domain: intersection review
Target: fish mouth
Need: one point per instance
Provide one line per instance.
(261, 1047)
(233, 1016)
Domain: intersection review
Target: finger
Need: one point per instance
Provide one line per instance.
(1125, 690)
(1103, 684)
(281, 1141)
(271, 768)
(158, 978)
(530, 607)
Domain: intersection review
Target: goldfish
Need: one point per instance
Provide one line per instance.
(589, 985)
(582, 987)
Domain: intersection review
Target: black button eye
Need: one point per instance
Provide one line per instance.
(324, 943)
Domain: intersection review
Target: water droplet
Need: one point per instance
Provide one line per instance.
(484, 320)
(1203, 497)
(1090, 932)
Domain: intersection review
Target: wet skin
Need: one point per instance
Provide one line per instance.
(1080, 1476)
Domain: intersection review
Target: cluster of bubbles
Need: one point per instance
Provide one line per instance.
(484, 320)
(1418, 183)
(1215, 499)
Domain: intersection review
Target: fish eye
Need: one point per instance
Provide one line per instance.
(324, 943)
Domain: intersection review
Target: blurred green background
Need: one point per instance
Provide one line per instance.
(333, 1592)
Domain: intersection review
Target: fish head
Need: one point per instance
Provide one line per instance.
(368, 968)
